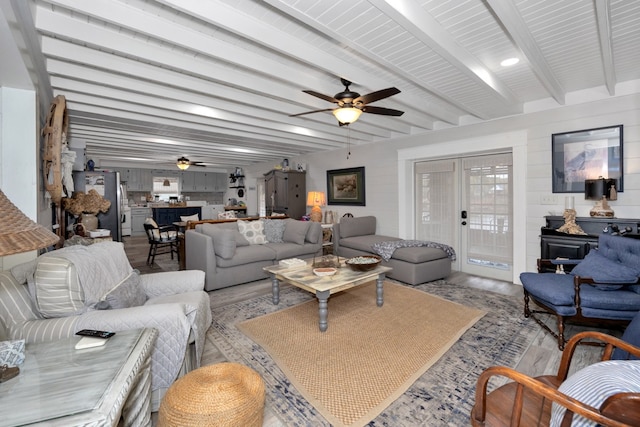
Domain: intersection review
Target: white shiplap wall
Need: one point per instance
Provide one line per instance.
(383, 186)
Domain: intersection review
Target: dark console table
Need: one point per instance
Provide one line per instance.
(554, 244)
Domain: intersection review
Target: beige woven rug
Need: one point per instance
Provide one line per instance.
(369, 355)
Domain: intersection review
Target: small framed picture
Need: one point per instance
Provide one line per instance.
(346, 187)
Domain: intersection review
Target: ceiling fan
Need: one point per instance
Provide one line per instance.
(351, 104)
(183, 163)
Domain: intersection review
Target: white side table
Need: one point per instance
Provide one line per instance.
(61, 386)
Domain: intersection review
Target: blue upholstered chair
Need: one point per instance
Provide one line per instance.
(600, 291)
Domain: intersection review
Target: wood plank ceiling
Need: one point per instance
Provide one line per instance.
(148, 81)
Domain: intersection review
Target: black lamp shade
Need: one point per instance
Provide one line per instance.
(594, 189)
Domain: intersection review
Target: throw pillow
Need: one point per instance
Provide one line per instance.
(253, 231)
(154, 224)
(593, 384)
(295, 231)
(194, 217)
(609, 274)
(55, 288)
(227, 215)
(127, 293)
(274, 230)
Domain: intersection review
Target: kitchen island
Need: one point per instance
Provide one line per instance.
(169, 214)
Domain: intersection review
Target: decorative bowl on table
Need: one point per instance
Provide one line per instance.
(324, 271)
(364, 263)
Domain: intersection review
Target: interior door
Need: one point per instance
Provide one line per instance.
(466, 203)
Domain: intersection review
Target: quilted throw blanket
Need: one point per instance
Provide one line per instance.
(386, 249)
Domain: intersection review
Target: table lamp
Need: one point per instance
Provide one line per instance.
(316, 199)
(601, 190)
(20, 234)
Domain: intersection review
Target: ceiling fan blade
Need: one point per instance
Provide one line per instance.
(377, 95)
(321, 96)
(309, 112)
(381, 110)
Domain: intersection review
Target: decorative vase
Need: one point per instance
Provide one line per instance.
(89, 221)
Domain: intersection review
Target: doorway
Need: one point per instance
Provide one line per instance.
(467, 203)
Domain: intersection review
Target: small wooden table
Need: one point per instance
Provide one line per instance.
(323, 287)
(61, 386)
(181, 225)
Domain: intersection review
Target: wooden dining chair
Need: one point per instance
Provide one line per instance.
(162, 240)
(527, 401)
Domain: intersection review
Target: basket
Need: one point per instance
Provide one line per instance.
(364, 263)
(224, 395)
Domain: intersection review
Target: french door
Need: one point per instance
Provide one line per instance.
(467, 203)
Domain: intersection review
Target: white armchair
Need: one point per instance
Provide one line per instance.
(107, 294)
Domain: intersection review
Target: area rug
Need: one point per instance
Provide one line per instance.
(369, 355)
(442, 396)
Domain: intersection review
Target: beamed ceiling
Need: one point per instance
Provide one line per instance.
(148, 81)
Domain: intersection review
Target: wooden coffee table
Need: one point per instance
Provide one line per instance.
(324, 287)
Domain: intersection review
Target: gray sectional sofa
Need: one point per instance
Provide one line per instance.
(413, 265)
(233, 252)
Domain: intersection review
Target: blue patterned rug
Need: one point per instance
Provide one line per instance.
(443, 396)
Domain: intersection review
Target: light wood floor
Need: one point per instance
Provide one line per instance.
(542, 357)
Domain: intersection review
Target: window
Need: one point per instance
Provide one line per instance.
(166, 187)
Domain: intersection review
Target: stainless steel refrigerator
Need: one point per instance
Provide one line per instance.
(107, 184)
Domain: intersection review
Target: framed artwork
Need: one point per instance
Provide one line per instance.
(586, 154)
(346, 187)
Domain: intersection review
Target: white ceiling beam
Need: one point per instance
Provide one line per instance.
(412, 17)
(229, 18)
(603, 18)
(107, 79)
(510, 18)
(371, 56)
(108, 107)
(155, 26)
(172, 108)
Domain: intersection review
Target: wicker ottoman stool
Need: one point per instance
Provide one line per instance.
(224, 394)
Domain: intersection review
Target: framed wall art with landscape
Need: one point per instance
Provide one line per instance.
(346, 187)
(586, 154)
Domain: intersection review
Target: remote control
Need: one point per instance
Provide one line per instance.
(95, 334)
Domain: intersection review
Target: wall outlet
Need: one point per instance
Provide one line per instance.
(549, 199)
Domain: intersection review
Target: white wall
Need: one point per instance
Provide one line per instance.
(384, 186)
(19, 157)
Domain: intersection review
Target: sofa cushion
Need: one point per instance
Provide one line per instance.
(127, 293)
(606, 271)
(618, 300)
(365, 242)
(227, 215)
(293, 250)
(314, 233)
(631, 335)
(556, 289)
(274, 230)
(418, 254)
(361, 226)
(246, 255)
(623, 250)
(209, 230)
(295, 231)
(253, 231)
(194, 217)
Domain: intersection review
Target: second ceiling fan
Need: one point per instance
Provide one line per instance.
(352, 104)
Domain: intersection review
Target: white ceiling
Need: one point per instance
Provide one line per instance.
(148, 81)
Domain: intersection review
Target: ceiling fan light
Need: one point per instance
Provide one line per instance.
(183, 163)
(347, 115)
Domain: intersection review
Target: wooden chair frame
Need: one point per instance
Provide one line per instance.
(561, 320)
(527, 401)
(165, 244)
